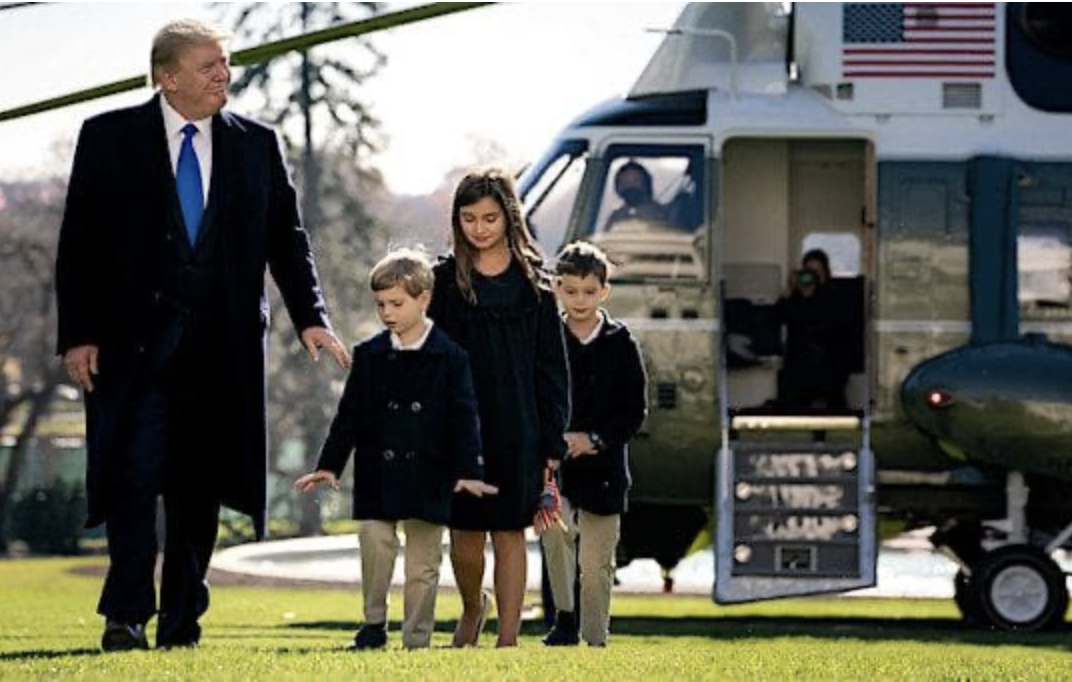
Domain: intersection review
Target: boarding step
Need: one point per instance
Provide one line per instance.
(795, 504)
(795, 510)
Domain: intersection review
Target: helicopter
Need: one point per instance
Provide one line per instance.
(926, 148)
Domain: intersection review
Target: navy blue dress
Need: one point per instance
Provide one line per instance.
(514, 338)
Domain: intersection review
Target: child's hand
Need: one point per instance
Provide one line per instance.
(309, 481)
(475, 488)
(578, 444)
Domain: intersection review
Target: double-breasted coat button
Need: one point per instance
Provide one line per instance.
(392, 405)
(416, 406)
(388, 455)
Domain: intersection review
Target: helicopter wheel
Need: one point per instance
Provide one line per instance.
(1018, 588)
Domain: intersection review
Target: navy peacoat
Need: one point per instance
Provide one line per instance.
(410, 420)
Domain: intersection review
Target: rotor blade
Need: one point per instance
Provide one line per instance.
(259, 53)
(5, 6)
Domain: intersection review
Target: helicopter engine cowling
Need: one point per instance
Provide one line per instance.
(1007, 404)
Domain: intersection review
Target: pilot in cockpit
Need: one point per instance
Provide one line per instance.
(633, 184)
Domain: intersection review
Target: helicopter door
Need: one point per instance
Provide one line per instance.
(794, 493)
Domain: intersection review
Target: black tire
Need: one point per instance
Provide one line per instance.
(1020, 588)
(966, 597)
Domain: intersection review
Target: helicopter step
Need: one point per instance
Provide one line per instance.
(795, 500)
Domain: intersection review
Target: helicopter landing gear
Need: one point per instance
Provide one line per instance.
(1015, 586)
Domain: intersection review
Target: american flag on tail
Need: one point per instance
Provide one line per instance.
(918, 40)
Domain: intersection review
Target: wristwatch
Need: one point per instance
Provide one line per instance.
(597, 442)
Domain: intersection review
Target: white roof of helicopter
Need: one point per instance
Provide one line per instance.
(925, 104)
(709, 38)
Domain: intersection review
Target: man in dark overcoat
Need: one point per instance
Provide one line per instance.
(175, 211)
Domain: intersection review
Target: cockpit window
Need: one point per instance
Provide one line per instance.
(1049, 27)
(1038, 53)
(549, 192)
(650, 207)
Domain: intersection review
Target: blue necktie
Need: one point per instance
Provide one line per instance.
(188, 182)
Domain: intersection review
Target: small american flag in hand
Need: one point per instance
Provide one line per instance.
(549, 509)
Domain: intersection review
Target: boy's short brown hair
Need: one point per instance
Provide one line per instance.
(409, 268)
(581, 259)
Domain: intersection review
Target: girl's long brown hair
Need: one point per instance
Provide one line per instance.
(497, 184)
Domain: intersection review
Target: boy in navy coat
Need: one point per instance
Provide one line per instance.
(608, 389)
(408, 415)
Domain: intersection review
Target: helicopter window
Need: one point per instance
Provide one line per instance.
(1038, 53)
(1044, 262)
(1049, 26)
(550, 197)
(843, 249)
(649, 210)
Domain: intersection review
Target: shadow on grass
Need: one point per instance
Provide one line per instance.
(47, 654)
(728, 628)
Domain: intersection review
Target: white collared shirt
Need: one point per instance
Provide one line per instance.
(173, 125)
(397, 344)
(595, 331)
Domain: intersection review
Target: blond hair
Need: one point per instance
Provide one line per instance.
(176, 36)
(407, 268)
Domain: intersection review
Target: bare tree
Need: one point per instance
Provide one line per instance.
(314, 99)
(29, 372)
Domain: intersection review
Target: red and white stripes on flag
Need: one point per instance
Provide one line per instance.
(919, 40)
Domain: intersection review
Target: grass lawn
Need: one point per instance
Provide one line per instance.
(48, 627)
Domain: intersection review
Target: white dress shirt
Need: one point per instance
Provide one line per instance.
(396, 341)
(594, 334)
(173, 125)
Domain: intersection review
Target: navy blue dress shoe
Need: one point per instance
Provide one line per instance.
(370, 636)
(123, 637)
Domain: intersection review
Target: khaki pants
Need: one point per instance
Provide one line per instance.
(598, 540)
(424, 554)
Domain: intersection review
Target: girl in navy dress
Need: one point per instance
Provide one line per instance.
(494, 299)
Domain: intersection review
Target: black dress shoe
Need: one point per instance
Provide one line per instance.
(123, 637)
(176, 643)
(564, 632)
(370, 636)
(173, 634)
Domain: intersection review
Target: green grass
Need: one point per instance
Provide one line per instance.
(48, 627)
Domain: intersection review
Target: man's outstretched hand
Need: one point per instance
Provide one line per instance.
(317, 338)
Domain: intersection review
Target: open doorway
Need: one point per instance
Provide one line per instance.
(796, 260)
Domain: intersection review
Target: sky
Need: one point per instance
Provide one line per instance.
(513, 74)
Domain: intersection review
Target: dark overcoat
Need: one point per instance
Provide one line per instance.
(514, 338)
(609, 397)
(122, 207)
(410, 420)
